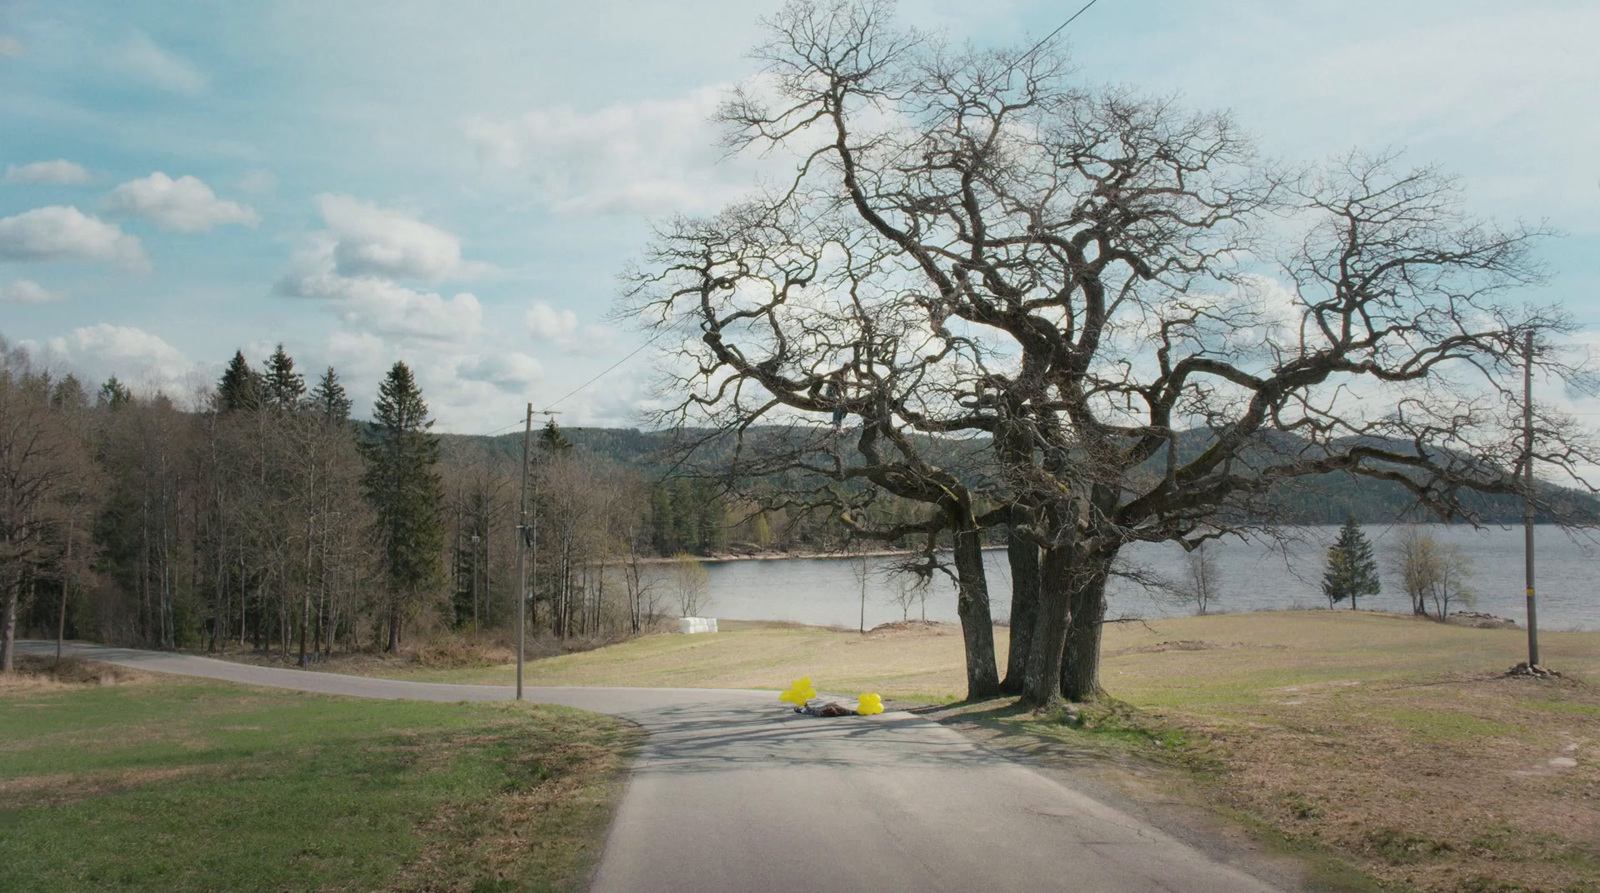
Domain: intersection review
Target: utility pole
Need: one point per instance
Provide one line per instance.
(522, 545)
(1527, 496)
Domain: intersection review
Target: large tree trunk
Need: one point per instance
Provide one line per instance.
(1040, 682)
(977, 624)
(1066, 640)
(1024, 559)
(1080, 661)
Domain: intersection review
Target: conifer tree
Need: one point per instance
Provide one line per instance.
(405, 491)
(240, 388)
(329, 399)
(552, 441)
(68, 394)
(284, 386)
(115, 394)
(1351, 570)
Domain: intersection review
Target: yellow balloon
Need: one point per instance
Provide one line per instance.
(799, 693)
(870, 704)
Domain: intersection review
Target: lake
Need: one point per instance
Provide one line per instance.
(1254, 576)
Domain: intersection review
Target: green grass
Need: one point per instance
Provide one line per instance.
(181, 786)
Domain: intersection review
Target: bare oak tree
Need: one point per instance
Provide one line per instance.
(1150, 327)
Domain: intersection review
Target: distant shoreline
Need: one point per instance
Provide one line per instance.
(724, 557)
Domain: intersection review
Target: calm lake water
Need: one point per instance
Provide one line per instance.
(1254, 576)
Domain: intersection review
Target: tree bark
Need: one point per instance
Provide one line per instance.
(1080, 661)
(1040, 682)
(1024, 559)
(977, 624)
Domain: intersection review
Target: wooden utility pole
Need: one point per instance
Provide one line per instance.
(1527, 496)
(522, 544)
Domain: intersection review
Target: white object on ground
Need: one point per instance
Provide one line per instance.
(697, 624)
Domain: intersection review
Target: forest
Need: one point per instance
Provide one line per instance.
(266, 517)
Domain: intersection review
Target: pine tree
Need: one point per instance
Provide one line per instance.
(115, 394)
(1351, 569)
(240, 388)
(405, 492)
(68, 394)
(329, 400)
(284, 386)
(552, 441)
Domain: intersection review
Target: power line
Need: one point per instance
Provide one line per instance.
(607, 370)
(500, 429)
(1058, 30)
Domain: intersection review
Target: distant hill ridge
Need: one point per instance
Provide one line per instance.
(1322, 499)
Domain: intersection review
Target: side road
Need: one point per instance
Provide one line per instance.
(733, 792)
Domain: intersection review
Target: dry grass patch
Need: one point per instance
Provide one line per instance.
(1392, 740)
(37, 673)
(912, 661)
(1451, 784)
(63, 789)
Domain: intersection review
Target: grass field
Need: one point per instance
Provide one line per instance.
(1391, 740)
(166, 785)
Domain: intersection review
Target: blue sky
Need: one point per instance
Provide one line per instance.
(457, 185)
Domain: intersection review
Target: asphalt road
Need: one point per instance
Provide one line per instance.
(734, 792)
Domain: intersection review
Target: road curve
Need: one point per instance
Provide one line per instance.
(733, 792)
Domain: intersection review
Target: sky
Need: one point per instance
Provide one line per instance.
(458, 185)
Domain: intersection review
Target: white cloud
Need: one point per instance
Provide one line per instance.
(140, 58)
(546, 323)
(390, 309)
(58, 233)
(362, 349)
(642, 157)
(378, 305)
(186, 204)
(354, 265)
(59, 171)
(511, 372)
(11, 48)
(372, 241)
(24, 291)
(136, 357)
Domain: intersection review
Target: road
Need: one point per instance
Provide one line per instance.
(734, 792)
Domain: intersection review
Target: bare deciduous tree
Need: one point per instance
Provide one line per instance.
(1433, 573)
(40, 457)
(1097, 285)
(1200, 581)
(690, 585)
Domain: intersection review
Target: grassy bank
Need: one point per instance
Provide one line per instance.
(1390, 740)
(165, 785)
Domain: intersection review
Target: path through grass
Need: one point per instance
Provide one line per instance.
(1390, 739)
